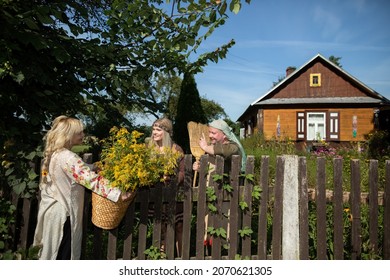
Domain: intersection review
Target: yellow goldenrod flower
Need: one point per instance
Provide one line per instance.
(129, 164)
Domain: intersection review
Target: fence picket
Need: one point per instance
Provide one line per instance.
(234, 200)
(373, 205)
(355, 210)
(187, 208)
(338, 209)
(386, 214)
(263, 209)
(216, 219)
(128, 232)
(321, 209)
(303, 210)
(201, 209)
(247, 213)
(278, 210)
(143, 198)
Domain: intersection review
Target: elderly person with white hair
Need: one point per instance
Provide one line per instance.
(223, 142)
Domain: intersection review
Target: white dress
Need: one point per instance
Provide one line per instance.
(63, 196)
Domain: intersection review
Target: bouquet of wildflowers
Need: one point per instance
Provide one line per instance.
(130, 164)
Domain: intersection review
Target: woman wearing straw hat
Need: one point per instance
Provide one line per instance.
(223, 142)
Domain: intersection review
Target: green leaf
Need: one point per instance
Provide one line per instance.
(31, 24)
(217, 177)
(212, 208)
(19, 188)
(243, 205)
(43, 16)
(32, 175)
(228, 188)
(9, 171)
(246, 231)
(256, 192)
(19, 78)
(31, 155)
(61, 55)
(250, 177)
(235, 6)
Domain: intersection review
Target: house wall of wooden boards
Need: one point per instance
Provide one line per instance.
(288, 122)
(320, 101)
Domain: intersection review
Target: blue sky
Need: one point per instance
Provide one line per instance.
(271, 35)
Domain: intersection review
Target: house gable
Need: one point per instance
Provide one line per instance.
(335, 82)
(332, 84)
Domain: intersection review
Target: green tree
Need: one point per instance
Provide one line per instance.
(212, 109)
(168, 92)
(335, 60)
(189, 108)
(60, 57)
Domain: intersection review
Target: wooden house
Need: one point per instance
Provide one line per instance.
(319, 101)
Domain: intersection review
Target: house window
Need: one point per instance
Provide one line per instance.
(316, 126)
(315, 80)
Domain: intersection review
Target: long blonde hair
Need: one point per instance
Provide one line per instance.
(59, 137)
(166, 125)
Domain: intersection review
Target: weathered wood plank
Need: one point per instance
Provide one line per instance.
(263, 209)
(218, 221)
(303, 210)
(338, 209)
(201, 208)
(386, 215)
(187, 208)
(373, 206)
(247, 213)
(278, 210)
(355, 210)
(321, 209)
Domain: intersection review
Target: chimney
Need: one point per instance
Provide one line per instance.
(289, 70)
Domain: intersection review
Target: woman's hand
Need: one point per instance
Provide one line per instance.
(127, 195)
(167, 179)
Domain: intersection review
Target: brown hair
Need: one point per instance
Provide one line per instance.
(165, 124)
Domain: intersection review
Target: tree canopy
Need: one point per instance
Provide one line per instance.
(73, 57)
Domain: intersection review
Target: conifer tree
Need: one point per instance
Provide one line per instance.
(189, 108)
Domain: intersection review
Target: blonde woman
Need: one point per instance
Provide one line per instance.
(161, 138)
(64, 179)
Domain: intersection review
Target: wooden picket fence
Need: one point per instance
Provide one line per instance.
(255, 228)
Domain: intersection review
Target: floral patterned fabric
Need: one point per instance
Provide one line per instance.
(63, 196)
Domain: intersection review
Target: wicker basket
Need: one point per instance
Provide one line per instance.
(107, 214)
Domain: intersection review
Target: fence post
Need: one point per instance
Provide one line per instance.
(290, 220)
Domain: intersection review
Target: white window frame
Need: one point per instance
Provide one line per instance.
(316, 123)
